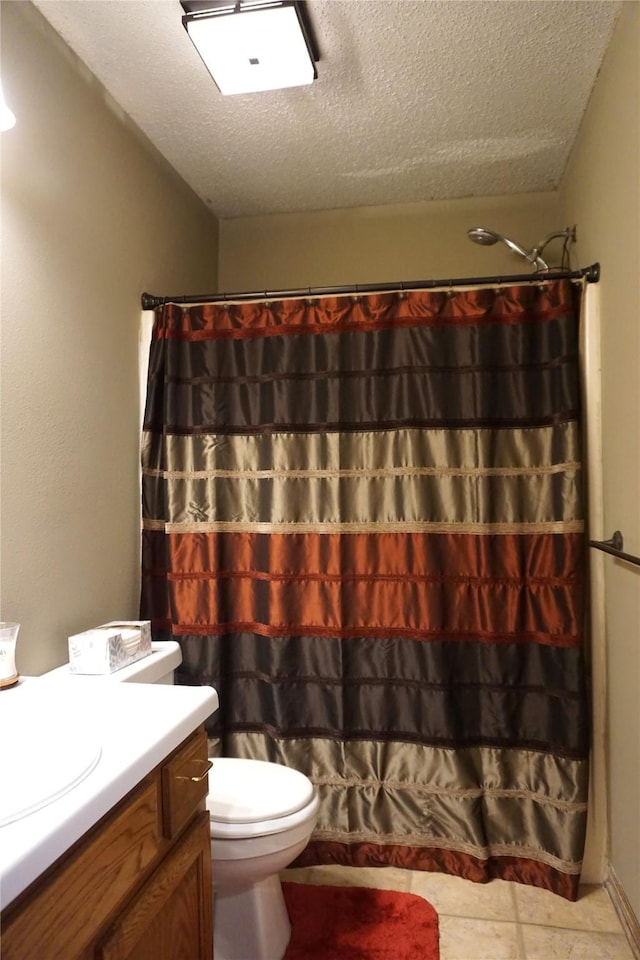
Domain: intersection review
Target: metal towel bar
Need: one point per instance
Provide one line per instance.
(614, 546)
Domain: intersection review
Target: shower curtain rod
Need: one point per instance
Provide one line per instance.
(615, 546)
(591, 274)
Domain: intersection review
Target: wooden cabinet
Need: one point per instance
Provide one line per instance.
(137, 886)
(166, 920)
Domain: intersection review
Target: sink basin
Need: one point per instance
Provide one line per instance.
(43, 754)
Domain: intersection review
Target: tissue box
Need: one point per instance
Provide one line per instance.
(110, 646)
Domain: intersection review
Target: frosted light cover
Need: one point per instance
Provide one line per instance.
(253, 51)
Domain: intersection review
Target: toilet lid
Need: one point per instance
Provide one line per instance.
(246, 791)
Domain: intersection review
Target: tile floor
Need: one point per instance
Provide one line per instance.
(498, 920)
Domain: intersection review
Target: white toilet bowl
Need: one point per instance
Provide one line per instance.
(261, 816)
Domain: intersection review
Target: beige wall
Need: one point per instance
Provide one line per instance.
(601, 193)
(90, 219)
(419, 241)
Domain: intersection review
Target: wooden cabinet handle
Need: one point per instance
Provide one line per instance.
(207, 766)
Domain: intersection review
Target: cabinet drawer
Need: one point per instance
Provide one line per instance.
(84, 890)
(185, 783)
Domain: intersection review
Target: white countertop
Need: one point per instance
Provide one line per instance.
(128, 727)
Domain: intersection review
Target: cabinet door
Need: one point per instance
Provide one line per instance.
(64, 913)
(171, 918)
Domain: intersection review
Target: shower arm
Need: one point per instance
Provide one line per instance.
(531, 258)
(569, 234)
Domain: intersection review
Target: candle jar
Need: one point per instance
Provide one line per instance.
(8, 637)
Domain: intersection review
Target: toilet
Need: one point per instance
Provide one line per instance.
(261, 817)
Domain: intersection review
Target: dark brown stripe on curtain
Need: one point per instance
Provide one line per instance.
(366, 380)
(369, 660)
(387, 689)
(406, 350)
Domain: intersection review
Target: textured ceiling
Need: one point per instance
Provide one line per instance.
(415, 99)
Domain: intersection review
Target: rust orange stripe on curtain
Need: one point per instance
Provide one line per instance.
(536, 556)
(354, 586)
(264, 318)
(437, 860)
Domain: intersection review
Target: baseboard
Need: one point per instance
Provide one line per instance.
(625, 913)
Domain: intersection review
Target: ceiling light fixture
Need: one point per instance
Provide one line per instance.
(252, 45)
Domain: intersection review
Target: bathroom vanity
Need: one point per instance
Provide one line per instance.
(119, 866)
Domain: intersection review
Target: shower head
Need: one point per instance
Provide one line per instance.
(487, 238)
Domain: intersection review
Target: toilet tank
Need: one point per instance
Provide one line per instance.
(158, 667)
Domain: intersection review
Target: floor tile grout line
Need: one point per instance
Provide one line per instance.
(522, 953)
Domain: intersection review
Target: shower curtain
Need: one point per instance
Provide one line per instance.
(362, 520)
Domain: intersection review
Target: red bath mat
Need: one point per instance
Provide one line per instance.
(359, 923)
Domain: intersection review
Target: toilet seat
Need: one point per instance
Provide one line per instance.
(251, 798)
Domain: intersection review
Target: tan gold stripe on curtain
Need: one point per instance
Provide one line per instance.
(223, 526)
(446, 450)
(360, 501)
(428, 785)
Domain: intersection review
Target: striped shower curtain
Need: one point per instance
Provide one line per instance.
(362, 520)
